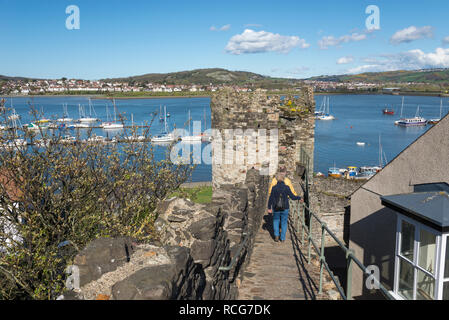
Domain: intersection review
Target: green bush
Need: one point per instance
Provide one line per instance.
(71, 194)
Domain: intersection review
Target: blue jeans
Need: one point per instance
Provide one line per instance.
(282, 217)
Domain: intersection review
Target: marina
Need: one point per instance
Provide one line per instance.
(353, 138)
(350, 140)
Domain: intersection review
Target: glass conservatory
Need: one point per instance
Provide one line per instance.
(421, 269)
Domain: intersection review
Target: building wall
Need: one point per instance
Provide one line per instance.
(372, 226)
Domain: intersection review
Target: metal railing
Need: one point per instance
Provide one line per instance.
(306, 229)
(304, 224)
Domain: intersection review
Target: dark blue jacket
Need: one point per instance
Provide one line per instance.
(278, 189)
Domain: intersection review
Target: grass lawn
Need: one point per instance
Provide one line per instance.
(197, 194)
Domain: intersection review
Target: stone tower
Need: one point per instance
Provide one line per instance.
(256, 130)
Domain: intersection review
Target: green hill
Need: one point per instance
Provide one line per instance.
(213, 76)
(435, 76)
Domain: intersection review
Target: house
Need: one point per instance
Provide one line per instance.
(379, 207)
(10, 191)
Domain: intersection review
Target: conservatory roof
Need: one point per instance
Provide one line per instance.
(430, 208)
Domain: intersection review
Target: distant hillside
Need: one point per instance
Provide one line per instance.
(207, 76)
(7, 78)
(436, 76)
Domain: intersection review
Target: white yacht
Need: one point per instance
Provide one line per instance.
(111, 125)
(90, 118)
(65, 117)
(416, 121)
(191, 138)
(325, 114)
(164, 136)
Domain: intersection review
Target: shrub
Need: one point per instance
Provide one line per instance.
(63, 195)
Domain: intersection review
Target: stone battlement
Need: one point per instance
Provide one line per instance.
(277, 125)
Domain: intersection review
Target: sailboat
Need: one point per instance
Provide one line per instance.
(161, 117)
(416, 121)
(90, 118)
(320, 112)
(326, 115)
(191, 138)
(435, 121)
(134, 136)
(164, 136)
(16, 142)
(402, 109)
(14, 115)
(65, 116)
(112, 125)
(367, 172)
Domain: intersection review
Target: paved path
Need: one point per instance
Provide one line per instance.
(279, 271)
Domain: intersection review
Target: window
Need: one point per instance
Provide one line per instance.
(445, 275)
(427, 247)
(446, 264)
(416, 261)
(408, 240)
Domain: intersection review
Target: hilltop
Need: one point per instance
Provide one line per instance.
(7, 78)
(432, 76)
(214, 76)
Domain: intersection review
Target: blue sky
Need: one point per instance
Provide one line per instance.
(282, 38)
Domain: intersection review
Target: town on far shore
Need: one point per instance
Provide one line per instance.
(205, 81)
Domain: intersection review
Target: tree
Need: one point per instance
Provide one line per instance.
(57, 194)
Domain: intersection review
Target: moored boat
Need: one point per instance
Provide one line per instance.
(387, 111)
(436, 120)
(410, 122)
(111, 125)
(334, 172)
(164, 136)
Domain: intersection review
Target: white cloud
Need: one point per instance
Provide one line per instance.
(345, 60)
(329, 41)
(223, 28)
(409, 60)
(446, 41)
(253, 25)
(411, 33)
(365, 68)
(251, 41)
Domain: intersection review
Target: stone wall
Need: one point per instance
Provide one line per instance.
(195, 241)
(329, 199)
(292, 118)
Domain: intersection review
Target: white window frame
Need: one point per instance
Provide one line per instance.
(439, 265)
(444, 243)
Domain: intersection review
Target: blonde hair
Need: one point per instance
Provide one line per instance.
(280, 176)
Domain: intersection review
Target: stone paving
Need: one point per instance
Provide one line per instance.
(279, 271)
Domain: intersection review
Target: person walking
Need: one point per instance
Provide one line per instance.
(287, 181)
(278, 204)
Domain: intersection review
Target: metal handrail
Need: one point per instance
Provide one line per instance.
(350, 257)
(237, 254)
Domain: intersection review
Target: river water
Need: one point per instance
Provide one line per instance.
(359, 118)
